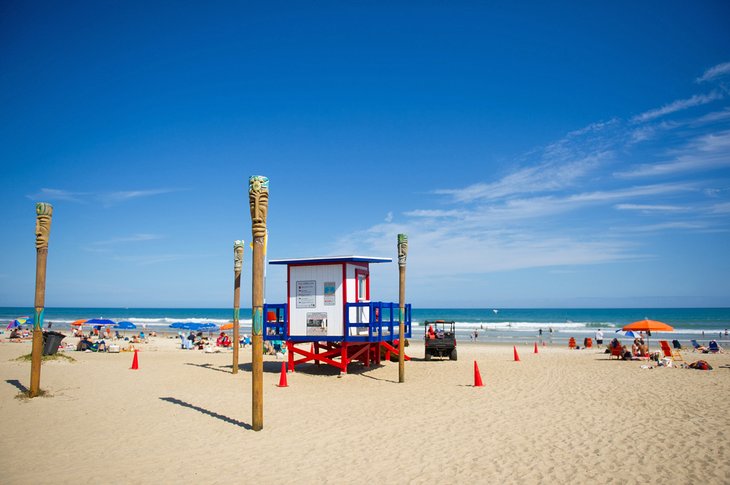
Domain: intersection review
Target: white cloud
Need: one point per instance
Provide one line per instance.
(148, 259)
(107, 198)
(57, 194)
(649, 208)
(706, 152)
(126, 239)
(123, 196)
(713, 117)
(435, 213)
(558, 208)
(715, 72)
(722, 208)
(389, 217)
(545, 177)
(668, 226)
(630, 192)
(679, 105)
(447, 249)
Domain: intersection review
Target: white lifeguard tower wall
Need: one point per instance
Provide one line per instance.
(318, 290)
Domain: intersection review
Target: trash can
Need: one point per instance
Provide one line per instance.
(51, 341)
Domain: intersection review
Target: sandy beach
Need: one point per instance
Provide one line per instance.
(556, 416)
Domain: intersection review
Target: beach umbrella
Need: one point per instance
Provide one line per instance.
(227, 326)
(647, 325)
(78, 323)
(100, 321)
(125, 326)
(627, 333)
(209, 327)
(21, 321)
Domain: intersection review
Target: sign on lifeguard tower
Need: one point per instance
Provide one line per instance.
(328, 305)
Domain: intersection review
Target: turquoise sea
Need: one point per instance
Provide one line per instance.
(492, 324)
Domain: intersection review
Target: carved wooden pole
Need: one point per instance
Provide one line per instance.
(258, 197)
(44, 212)
(237, 265)
(402, 253)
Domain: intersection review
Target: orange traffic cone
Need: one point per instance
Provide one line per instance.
(517, 357)
(535, 347)
(282, 379)
(477, 376)
(135, 361)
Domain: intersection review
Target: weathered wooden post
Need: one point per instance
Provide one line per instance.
(237, 265)
(44, 212)
(258, 197)
(402, 254)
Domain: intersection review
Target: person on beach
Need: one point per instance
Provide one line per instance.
(599, 338)
(626, 353)
(635, 348)
(223, 340)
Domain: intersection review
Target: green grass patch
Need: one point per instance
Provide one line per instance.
(46, 358)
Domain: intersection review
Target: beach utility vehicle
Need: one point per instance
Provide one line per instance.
(439, 339)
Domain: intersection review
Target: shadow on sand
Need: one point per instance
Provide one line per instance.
(212, 414)
(16, 383)
(211, 367)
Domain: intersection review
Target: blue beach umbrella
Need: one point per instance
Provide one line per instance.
(21, 321)
(125, 326)
(100, 321)
(628, 333)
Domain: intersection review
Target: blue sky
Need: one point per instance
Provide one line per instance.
(536, 155)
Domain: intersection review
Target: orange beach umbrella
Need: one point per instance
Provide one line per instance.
(78, 323)
(227, 326)
(648, 326)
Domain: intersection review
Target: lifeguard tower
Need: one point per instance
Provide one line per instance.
(328, 306)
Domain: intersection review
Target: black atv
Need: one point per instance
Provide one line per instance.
(439, 339)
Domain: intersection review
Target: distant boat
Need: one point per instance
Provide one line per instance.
(495, 311)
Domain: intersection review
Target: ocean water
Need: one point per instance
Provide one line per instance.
(497, 325)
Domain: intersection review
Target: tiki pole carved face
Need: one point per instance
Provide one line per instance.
(258, 198)
(402, 249)
(237, 256)
(44, 212)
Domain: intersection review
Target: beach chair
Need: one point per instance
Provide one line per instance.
(668, 352)
(676, 344)
(696, 345)
(616, 352)
(713, 347)
(571, 343)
